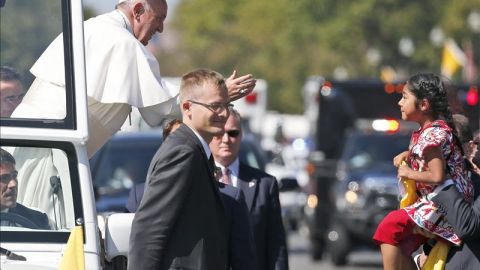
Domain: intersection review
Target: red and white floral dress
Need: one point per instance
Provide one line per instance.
(424, 212)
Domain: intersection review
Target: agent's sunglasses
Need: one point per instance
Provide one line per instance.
(233, 133)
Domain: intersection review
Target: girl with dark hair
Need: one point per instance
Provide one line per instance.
(435, 161)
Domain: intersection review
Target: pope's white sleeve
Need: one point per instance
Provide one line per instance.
(154, 115)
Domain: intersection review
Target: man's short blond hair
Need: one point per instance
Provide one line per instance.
(194, 80)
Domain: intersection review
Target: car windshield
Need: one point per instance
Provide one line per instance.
(122, 163)
(368, 150)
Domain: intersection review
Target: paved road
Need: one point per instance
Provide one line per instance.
(300, 259)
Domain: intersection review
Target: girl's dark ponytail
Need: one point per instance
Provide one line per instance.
(431, 87)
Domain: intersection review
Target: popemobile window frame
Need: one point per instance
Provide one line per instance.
(52, 236)
(74, 127)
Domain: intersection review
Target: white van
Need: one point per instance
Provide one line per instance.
(51, 159)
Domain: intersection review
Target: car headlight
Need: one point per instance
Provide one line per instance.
(352, 197)
(312, 201)
(354, 194)
(355, 199)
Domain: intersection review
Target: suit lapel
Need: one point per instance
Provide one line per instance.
(189, 133)
(248, 185)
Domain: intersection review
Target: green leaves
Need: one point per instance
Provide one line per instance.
(286, 41)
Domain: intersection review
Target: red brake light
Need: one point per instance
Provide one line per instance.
(389, 88)
(472, 96)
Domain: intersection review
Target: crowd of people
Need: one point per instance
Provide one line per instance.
(200, 207)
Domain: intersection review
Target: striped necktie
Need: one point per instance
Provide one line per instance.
(226, 176)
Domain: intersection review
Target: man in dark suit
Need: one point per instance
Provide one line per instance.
(240, 246)
(13, 213)
(261, 194)
(465, 220)
(180, 222)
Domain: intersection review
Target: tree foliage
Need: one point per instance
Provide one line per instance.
(284, 41)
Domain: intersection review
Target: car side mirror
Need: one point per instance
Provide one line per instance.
(288, 184)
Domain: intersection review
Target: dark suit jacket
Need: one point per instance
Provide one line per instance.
(38, 218)
(465, 220)
(241, 248)
(261, 196)
(180, 223)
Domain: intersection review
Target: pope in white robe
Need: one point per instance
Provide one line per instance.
(121, 72)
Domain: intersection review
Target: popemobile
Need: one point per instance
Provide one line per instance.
(52, 152)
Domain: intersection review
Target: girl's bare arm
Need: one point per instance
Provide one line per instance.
(435, 172)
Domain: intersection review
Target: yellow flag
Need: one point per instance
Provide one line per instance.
(73, 258)
(452, 59)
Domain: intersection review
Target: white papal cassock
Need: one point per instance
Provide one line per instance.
(121, 73)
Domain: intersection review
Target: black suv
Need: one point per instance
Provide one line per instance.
(365, 191)
(362, 190)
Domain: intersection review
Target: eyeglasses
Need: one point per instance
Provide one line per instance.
(216, 107)
(233, 133)
(6, 177)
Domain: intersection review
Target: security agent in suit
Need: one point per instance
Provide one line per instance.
(13, 213)
(465, 219)
(181, 223)
(261, 194)
(240, 246)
